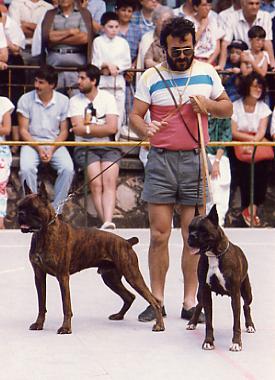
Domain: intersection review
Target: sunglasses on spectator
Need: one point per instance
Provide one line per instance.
(176, 53)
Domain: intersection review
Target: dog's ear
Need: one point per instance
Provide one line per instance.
(197, 211)
(26, 188)
(213, 216)
(43, 192)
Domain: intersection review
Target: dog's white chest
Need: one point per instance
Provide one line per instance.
(213, 269)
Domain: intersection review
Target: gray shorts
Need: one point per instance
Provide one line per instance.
(171, 177)
(93, 155)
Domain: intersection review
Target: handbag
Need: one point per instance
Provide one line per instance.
(262, 153)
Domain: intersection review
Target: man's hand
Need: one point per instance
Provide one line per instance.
(154, 127)
(199, 103)
(215, 173)
(45, 153)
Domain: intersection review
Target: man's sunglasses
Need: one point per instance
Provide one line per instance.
(176, 53)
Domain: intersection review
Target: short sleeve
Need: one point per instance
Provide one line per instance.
(23, 106)
(143, 89)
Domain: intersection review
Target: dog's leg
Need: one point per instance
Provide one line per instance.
(66, 302)
(113, 280)
(40, 283)
(247, 297)
(236, 308)
(192, 324)
(135, 279)
(208, 343)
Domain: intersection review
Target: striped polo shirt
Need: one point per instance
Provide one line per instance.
(200, 79)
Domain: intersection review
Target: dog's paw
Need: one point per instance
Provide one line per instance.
(208, 346)
(250, 329)
(64, 330)
(157, 327)
(116, 317)
(191, 326)
(36, 326)
(235, 347)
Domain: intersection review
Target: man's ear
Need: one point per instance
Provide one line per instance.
(42, 192)
(213, 216)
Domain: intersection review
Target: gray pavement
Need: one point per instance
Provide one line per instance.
(100, 349)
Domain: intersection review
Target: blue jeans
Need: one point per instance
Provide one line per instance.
(61, 162)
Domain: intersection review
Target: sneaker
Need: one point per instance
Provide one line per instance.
(149, 314)
(187, 314)
(108, 226)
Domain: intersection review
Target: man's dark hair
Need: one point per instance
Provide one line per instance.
(177, 27)
(91, 71)
(108, 16)
(246, 82)
(47, 73)
(196, 3)
(126, 3)
(256, 31)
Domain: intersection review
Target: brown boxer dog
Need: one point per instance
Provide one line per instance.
(222, 269)
(60, 250)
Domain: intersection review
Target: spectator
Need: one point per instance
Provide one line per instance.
(155, 54)
(186, 9)
(143, 17)
(272, 126)
(171, 175)
(241, 22)
(96, 8)
(27, 14)
(101, 127)
(249, 123)
(219, 130)
(225, 16)
(268, 6)
(66, 39)
(232, 66)
(255, 59)
(111, 54)
(42, 115)
(4, 54)
(6, 108)
(208, 34)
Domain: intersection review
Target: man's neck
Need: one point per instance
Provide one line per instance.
(249, 19)
(67, 10)
(147, 14)
(92, 94)
(46, 98)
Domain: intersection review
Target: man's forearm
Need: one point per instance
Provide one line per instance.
(138, 125)
(220, 109)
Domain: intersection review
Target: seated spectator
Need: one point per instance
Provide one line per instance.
(249, 123)
(28, 14)
(111, 54)
(155, 54)
(241, 21)
(6, 108)
(272, 126)
(255, 59)
(186, 9)
(143, 17)
(42, 115)
(225, 16)
(208, 34)
(232, 66)
(102, 126)
(3, 46)
(66, 40)
(219, 130)
(268, 6)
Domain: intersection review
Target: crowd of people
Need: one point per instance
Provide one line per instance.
(103, 40)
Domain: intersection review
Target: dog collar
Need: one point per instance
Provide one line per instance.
(211, 254)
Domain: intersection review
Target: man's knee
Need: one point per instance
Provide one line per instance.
(159, 239)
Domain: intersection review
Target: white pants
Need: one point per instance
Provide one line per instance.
(220, 188)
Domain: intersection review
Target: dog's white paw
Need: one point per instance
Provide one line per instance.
(235, 347)
(191, 327)
(250, 329)
(208, 346)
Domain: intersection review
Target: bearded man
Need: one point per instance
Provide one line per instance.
(172, 174)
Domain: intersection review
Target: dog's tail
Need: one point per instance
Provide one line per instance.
(133, 240)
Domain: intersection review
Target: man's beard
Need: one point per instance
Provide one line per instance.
(179, 64)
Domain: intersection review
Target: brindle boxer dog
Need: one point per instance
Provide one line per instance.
(222, 269)
(60, 250)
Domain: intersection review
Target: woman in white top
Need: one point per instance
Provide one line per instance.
(255, 59)
(249, 123)
(6, 108)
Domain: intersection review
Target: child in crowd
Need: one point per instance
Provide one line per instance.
(232, 66)
(111, 54)
(6, 108)
(255, 59)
